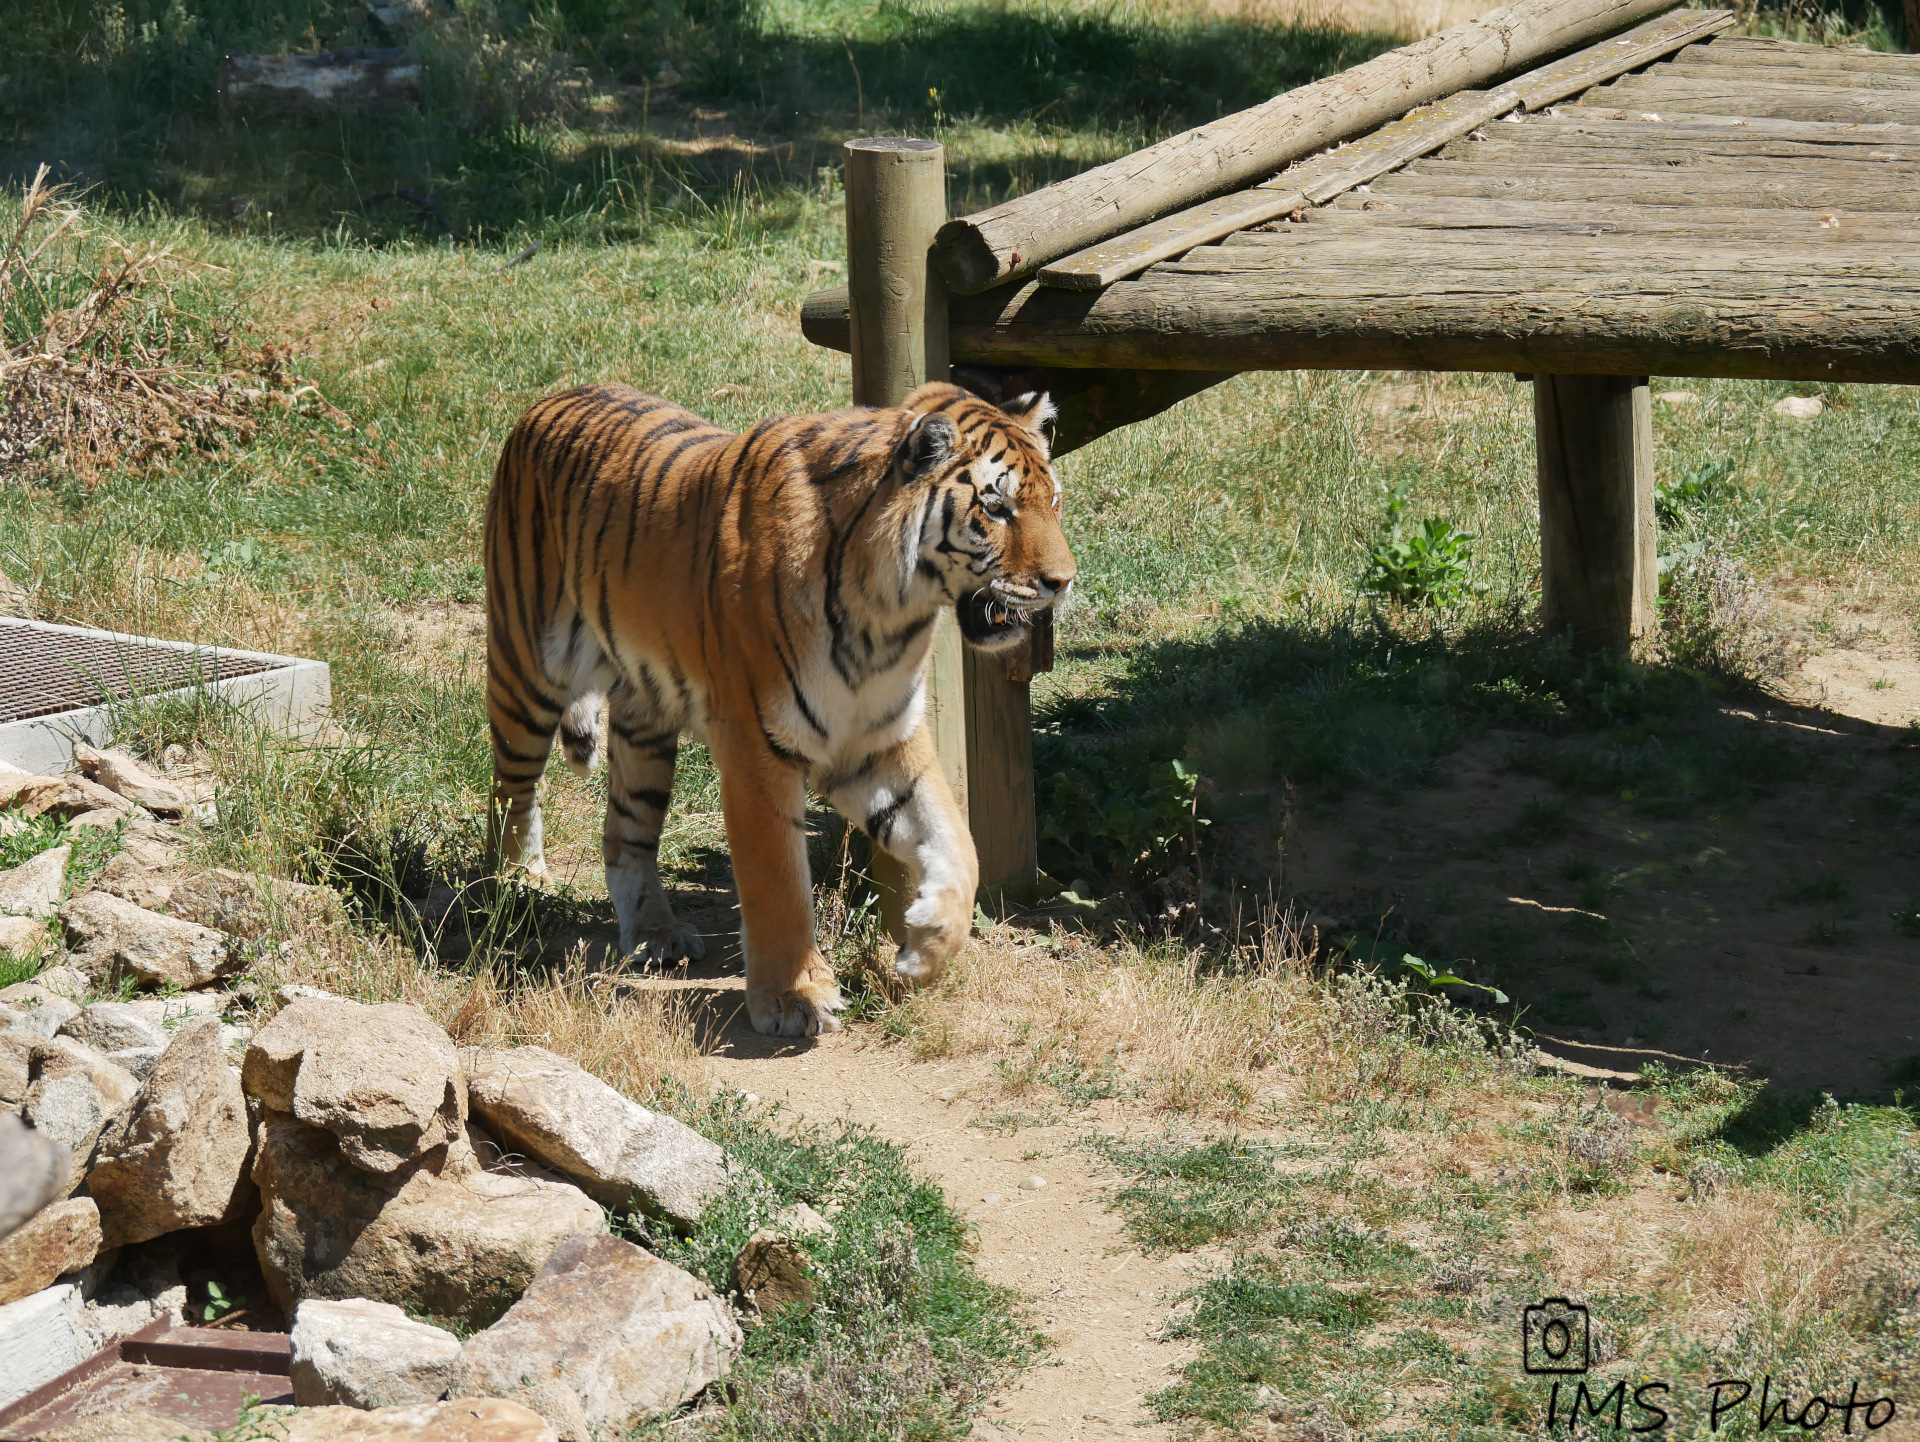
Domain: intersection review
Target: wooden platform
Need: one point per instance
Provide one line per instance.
(1744, 208)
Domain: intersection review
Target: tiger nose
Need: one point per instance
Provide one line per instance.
(1053, 585)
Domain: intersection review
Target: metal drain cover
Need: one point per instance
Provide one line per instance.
(58, 683)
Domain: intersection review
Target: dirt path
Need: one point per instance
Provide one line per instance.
(1092, 1292)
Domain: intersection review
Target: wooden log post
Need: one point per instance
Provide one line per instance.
(1598, 569)
(897, 313)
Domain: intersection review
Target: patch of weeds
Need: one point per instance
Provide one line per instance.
(1600, 1153)
(1117, 832)
(1542, 818)
(1715, 619)
(1081, 1085)
(1007, 1123)
(1704, 483)
(1828, 887)
(1425, 565)
(1182, 1196)
(1571, 1006)
(904, 1339)
(1829, 933)
(1906, 920)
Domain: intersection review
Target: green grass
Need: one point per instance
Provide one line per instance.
(1359, 1300)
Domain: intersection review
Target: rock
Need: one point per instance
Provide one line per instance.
(121, 774)
(113, 1304)
(801, 1220)
(125, 1427)
(110, 1026)
(59, 796)
(21, 935)
(299, 991)
(466, 1419)
(249, 906)
(358, 1353)
(383, 1079)
(1799, 408)
(630, 1336)
(177, 1157)
(133, 880)
(438, 1237)
(103, 817)
(72, 1093)
(618, 1151)
(34, 887)
(771, 1273)
(65, 981)
(33, 1172)
(16, 1049)
(1033, 1184)
(56, 1240)
(139, 1060)
(37, 1012)
(112, 938)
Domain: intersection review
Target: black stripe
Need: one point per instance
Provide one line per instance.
(880, 823)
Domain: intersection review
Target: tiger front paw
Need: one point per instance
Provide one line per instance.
(807, 1010)
(937, 927)
(670, 945)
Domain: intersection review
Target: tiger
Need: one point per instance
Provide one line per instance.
(773, 593)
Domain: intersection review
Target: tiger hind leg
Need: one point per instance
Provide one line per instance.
(641, 750)
(523, 711)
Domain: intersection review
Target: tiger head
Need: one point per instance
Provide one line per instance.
(991, 531)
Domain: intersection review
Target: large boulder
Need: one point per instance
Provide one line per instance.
(465, 1419)
(73, 1093)
(67, 796)
(358, 1353)
(124, 776)
(35, 886)
(615, 1149)
(40, 1337)
(16, 1050)
(111, 939)
(110, 1026)
(383, 1079)
(626, 1334)
(178, 1156)
(21, 935)
(439, 1236)
(249, 905)
(36, 1011)
(56, 1240)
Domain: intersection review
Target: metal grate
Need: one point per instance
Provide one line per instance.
(45, 672)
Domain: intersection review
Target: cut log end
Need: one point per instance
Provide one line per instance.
(966, 259)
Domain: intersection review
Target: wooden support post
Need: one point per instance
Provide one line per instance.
(897, 312)
(1000, 808)
(1597, 547)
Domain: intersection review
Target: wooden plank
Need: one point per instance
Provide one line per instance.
(1812, 236)
(1593, 440)
(1718, 150)
(1001, 810)
(1639, 46)
(1445, 211)
(1762, 50)
(1312, 181)
(1625, 186)
(1326, 175)
(1655, 94)
(897, 333)
(1681, 67)
(1594, 265)
(1016, 238)
(1737, 323)
(1598, 119)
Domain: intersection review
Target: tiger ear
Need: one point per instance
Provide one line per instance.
(930, 442)
(1037, 413)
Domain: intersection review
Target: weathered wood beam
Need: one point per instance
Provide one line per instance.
(1762, 50)
(897, 335)
(1905, 80)
(326, 82)
(1625, 320)
(1515, 227)
(1814, 189)
(1656, 94)
(1594, 439)
(1016, 238)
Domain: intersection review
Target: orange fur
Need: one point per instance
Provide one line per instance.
(775, 594)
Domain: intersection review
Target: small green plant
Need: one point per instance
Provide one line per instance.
(220, 1303)
(1113, 838)
(1829, 886)
(1906, 920)
(1435, 980)
(1703, 483)
(1424, 565)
